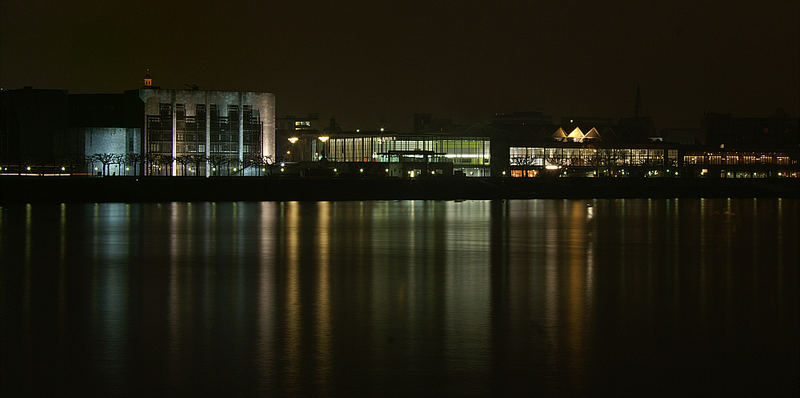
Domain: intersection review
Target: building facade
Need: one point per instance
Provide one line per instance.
(205, 133)
(469, 156)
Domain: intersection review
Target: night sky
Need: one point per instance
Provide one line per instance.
(369, 63)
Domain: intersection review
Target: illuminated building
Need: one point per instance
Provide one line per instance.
(740, 164)
(289, 126)
(150, 131)
(407, 155)
(576, 159)
(203, 133)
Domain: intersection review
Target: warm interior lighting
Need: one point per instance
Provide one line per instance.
(552, 167)
(324, 138)
(293, 139)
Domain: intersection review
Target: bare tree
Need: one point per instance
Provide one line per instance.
(134, 159)
(106, 159)
(254, 160)
(184, 160)
(197, 160)
(91, 160)
(117, 159)
(160, 161)
(217, 161)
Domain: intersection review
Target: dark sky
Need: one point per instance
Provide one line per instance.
(368, 62)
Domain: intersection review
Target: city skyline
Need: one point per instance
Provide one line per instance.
(377, 65)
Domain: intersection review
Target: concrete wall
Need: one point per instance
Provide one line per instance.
(263, 102)
(111, 140)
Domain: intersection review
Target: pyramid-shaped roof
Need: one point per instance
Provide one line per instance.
(560, 133)
(593, 134)
(576, 134)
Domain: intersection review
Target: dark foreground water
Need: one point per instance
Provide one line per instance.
(401, 298)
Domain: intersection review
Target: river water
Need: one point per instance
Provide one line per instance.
(401, 298)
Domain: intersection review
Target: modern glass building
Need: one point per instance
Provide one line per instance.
(526, 161)
(468, 155)
(740, 164)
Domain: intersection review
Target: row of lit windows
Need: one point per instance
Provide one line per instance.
(193, 148)
(542, 156)
(459, 151)
(730, 160)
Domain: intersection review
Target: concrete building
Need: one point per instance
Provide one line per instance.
(51, 131)
(290, 127)
(204, 133)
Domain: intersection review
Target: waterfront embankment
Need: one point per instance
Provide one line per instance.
(156, 189)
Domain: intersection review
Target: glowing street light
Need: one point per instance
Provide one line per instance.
(324, 138)
(293, 139)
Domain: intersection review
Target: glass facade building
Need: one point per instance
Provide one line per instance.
(469, 155)
(592, 157)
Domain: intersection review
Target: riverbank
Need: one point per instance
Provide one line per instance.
(157, 189)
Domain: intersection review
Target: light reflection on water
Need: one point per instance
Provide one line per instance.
(401, 297)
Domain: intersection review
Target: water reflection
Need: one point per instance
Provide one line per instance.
(563, 297)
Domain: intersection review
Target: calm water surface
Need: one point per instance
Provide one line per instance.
(401, 298)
